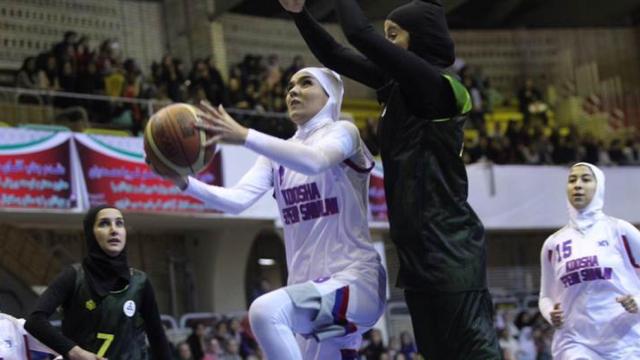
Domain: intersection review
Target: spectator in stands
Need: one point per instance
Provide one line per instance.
(563, 151)
(508, 344)
(221, 331)
(407, 345)
(218, 88)
(172, 76)
(616, 153)
(184, 352)
(83, 53)
(132, 89)
(273, 72)
(48, 78)
(232, 351)
(603, 154)
(528, 95)
(27, 77)
(212, 349)
(375, 347)
(476, 115)
(296, 65)
(113, 79)
(89, 80)
(394, 346)
(105, 55)
(67, 79)
(196, 340)
(61, 50)
(590, 152)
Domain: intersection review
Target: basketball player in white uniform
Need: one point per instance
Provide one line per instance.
(15, 342)
(589, 284)
(320, 177)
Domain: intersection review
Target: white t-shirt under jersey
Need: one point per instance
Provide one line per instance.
(320, 181)
(585, 266)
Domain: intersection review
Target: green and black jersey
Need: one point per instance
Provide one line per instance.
(110, 327)
(439, 237)
(113, 326)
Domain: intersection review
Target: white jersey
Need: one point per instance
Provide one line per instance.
(325, 215)
(585, 266)
(15, 341)
(320, 181)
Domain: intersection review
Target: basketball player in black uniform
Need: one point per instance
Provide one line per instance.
(107, 306)
(439, 237)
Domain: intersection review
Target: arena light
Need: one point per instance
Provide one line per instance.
(266, 262)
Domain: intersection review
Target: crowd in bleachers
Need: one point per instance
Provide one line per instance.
(544, 145)
(231, 339)
(258, 83)
(523, 335)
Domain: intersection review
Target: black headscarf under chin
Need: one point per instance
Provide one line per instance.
(103, 272)
(429, 34)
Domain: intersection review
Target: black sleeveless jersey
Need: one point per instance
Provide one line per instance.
(110, 327)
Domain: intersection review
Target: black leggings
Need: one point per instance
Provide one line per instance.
(450, 326)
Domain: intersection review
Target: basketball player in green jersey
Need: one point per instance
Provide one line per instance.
(107, 306)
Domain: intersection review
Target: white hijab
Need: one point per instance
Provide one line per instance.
(583, 219)
(332, 85)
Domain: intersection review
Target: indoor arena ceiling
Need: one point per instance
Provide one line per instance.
(465, 14)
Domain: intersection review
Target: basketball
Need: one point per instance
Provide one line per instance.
(172, 143)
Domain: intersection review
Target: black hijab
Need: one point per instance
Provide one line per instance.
(429, 34)
(104, 273)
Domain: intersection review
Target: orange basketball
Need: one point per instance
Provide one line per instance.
(172, 143)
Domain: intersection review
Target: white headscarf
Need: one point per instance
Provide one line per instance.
(332, 85)
(583, 219)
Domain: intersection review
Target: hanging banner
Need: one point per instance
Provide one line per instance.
(377, 200)
(36, 169)
(115, 173)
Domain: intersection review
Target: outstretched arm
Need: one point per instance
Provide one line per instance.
(427, 91)
(336, 56)
(238, 198)
(338, 145)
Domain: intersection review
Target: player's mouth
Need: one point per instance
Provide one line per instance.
(113, 241)
(294, 102)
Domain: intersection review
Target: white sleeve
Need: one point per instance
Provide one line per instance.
(257, 181)
(339, 144)
(545, 301)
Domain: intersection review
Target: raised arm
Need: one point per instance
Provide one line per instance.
(245, 193)
(336, 56)
(338, 144)
(428, 93)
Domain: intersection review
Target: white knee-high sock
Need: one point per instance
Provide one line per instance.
(273, 317)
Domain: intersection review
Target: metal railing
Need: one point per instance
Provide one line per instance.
(85, 108)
